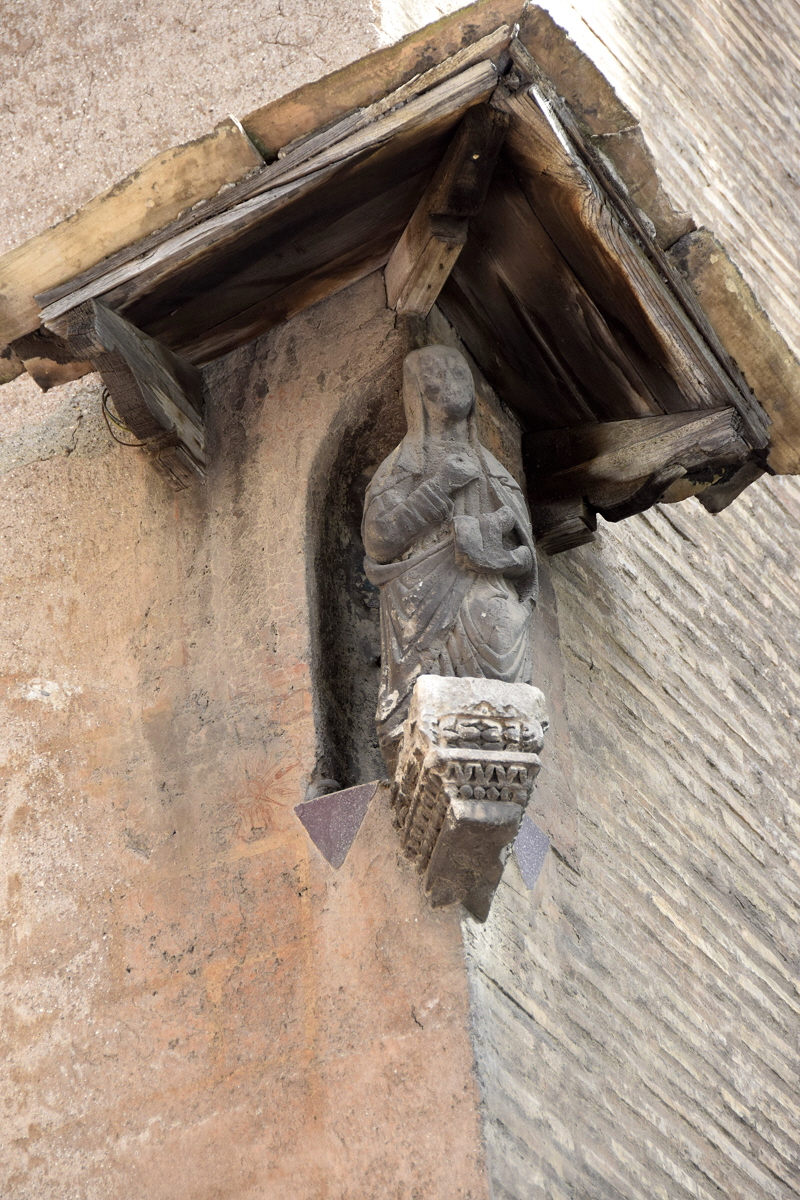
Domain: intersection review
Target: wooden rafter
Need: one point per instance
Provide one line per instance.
(437, 232)
(158, 396)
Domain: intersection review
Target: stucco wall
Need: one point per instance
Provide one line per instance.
(637, 1018)
(193, 1006)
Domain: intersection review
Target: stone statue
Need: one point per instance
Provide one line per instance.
(449, 543)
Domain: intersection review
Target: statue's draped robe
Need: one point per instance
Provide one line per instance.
(440, 613)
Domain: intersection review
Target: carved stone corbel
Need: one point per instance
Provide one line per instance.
(467, 766)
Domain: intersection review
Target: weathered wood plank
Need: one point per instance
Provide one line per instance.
(561, 525)
(435, 110)
(150, 198)
(279, 280)
(158, 395)
(177, 252)
(368, 80)
(608, 121)
(748, 335)
(620, 468)
(433, 239)
(488, 47)
(527, 300)
(611, 463)
(609, 260)
(695, 356)
(48, 359)
(421, 262)
(299, 162)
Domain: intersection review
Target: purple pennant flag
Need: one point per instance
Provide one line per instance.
(333, 821)
(530, 848)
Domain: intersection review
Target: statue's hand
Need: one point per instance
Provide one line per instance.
(456, 472)
(502, 521)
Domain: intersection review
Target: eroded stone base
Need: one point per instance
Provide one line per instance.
(467, 765)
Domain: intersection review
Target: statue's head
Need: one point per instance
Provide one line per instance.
(441, 380)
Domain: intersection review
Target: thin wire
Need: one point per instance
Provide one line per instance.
(109, 417)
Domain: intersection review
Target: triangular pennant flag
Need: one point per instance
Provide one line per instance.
(530, 850)
(333, 821)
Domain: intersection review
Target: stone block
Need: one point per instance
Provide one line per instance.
(467, 765)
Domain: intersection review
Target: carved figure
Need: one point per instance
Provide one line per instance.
(449, 543)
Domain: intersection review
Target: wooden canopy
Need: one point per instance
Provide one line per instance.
(486, 165)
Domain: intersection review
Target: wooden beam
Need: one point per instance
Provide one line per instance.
(562, 525)
(609, 124)
(366, 81)
(272, 189)
(433, 239)
(158, 396)
(599, 234)
(49, 359)
(624, 467)
(748, 335)
(150, 198)
(489, 47)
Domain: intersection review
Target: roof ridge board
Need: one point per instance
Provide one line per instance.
(462, 90)
(303, 161)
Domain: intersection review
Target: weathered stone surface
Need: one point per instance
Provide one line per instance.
(468, 762)
(448, 540)
(468, 858)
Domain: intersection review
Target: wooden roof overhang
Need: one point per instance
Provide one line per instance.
(484, 163)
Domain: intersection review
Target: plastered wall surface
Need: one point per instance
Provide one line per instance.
(637, 1017)
(194, 1004)
(93, 89)
(169, 1030)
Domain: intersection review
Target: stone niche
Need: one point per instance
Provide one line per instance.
(465, 773)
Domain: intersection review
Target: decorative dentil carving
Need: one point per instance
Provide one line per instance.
(449, 543)
(466, 768)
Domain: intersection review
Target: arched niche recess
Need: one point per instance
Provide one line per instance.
(345, 627)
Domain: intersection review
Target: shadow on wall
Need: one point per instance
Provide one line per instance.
(344, 604)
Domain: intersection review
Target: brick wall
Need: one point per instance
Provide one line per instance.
(636, 1018)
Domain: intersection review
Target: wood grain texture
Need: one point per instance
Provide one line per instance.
(363, 82)
(606, 119)
(276, 278)
(158, 397)
(212, 249)
(621, 468)
(610, 262)
(224, 214)
(150, 198)
(563, 359)
(489, 47)
(750, 338)
(432, 241)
